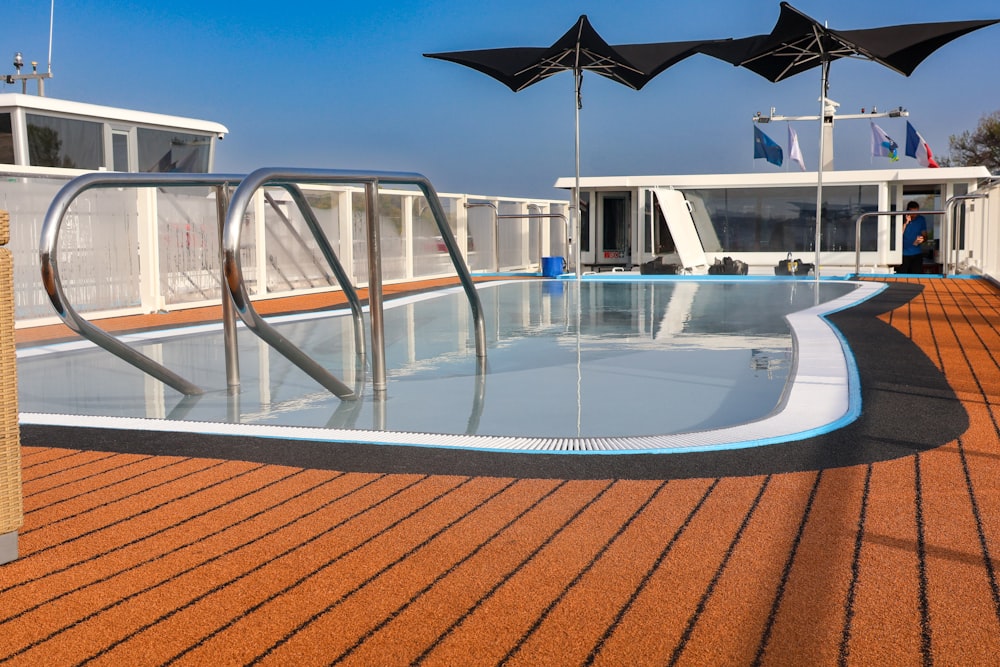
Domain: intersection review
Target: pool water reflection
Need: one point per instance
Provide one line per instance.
(565, 360)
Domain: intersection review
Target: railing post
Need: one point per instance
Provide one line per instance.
(406, 211)
(462, 226)
(544, 235)
(525, 258)
(260, 243)
(345, 232)
(151, 295)
(228, 312)
(462, 230)
(495, 205)
(375, 287)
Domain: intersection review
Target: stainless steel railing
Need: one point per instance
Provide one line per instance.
(222, 183)
(538, 216)
(233, 272)
(948, 245)
(871, 214)
(950, 235)
(496, 229)
(497, 217)
(52, 284)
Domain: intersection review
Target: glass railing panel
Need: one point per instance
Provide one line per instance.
(188, 245)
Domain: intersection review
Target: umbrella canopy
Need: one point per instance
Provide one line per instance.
(580, 49)
(798, 43)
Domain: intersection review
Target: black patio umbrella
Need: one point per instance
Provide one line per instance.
(581, 48)
(798, 43)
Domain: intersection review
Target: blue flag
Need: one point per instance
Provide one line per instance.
(764, 147)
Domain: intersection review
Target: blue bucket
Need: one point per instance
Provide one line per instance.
(552, 267)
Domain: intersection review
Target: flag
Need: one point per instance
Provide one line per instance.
(764, 147)
(883, 145)
(917, 148)
(794, 152)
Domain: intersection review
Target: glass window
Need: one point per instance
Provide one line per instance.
(64, 142)
(6, 140)
(783, 219)
(119, 151)
(169, 151)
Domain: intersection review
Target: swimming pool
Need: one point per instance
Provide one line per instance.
(604, 364)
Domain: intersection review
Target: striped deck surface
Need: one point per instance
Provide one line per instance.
(153, 558)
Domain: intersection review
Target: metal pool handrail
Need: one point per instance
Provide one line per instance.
(870, 214)
(538, 216)
(497, 215)
(496, 228)
(948, 228)
(950, 232)
(339, 272)
(233, 272)
(53, 285)
(221, 182)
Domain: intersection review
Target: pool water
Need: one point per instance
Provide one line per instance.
(565, 360)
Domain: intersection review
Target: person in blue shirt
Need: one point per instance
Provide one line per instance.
(914, 234)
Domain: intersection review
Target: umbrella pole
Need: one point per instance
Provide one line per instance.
(824, 77)
(577, 80)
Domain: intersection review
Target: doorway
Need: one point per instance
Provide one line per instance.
(614, 230)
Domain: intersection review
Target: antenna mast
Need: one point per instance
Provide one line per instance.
(39, 77)
(52, 17)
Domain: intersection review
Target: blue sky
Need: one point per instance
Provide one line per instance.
(344, 84)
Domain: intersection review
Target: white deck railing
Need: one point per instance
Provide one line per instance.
(988, 241)
(142, 250)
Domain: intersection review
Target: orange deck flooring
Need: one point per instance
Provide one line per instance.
(149, 559)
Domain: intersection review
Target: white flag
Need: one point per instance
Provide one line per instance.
(794, 152)
(883, 145)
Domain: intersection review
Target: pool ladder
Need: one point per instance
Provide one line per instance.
(230, 212)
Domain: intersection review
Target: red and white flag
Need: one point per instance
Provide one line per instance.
(917, 148)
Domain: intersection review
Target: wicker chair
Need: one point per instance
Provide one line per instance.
(11, 511)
